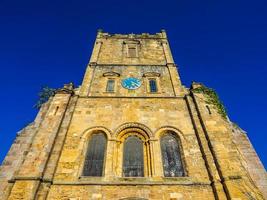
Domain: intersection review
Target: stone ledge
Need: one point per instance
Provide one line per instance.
(164, 182)
(136, 97)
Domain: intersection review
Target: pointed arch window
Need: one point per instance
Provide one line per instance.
(171, 156)
(133, 157)
(94, 160)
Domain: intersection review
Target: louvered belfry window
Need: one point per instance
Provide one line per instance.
(133, 157)
(132, 51)
(171, 157)
(94, 161)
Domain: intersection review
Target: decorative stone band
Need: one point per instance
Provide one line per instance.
(138, 181)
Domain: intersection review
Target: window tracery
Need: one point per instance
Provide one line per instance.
(133, 157)
(171, 156)
(94, 160)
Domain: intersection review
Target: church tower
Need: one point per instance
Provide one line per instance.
(132, 131)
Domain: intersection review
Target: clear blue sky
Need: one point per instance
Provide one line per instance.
(220, 43)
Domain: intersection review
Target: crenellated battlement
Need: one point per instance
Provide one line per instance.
(160, 35)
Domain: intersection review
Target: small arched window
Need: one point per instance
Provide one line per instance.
(94, 160)
(110, 85)
(153, 85)
(171, 156)
(133, 157)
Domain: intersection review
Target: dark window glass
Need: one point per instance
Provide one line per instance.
(132, 52)
(133, 157)
(93, 165)
(110, 85)
(171, 158)
(153, 85)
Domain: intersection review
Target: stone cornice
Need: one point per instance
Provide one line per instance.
(67, 89)
(125, 65)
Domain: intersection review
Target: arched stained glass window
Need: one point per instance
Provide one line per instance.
(133, 157)
(94, 160)
(171, 157)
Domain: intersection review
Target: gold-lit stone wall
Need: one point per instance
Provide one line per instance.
(157, 192)
(153, 114)
(98, 82)
(51, 151)
(113, 49)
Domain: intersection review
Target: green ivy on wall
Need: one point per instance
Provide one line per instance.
(212, 99)
(44, 95)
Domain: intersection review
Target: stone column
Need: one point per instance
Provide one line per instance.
(157, 169)
(109, 164)
(147, 162)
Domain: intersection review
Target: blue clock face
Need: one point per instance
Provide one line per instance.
(131, 83)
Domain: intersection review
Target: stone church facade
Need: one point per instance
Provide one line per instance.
(132, 131)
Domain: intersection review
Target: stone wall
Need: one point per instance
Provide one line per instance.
(250, 159)
(18, 152)
(111, 192)
(233, 175)
(113, 49)
(157, 114)
(99, 81)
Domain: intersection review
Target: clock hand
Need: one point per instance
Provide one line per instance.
(133, 83)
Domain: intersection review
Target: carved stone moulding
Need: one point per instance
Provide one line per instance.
(107, 74)
(151, 74)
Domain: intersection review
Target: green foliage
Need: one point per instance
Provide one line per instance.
(212, 98)
(44, 96)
